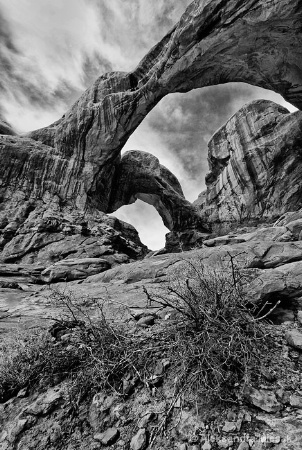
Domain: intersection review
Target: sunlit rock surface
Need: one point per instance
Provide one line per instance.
(255, 163)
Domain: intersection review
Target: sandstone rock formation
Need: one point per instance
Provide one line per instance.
(139, 175)
(73, 161)
(73, 166)
(45, 235)
(255, 164)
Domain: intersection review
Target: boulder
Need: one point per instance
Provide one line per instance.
(265, 400)
(294, 339)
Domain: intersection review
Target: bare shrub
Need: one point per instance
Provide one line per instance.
(220, 343)
(213, 343)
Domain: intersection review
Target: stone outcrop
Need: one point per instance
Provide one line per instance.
(73, 161)
(46, 236)
(255, 164)
(74, 269)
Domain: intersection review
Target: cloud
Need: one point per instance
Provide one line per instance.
(51, 50)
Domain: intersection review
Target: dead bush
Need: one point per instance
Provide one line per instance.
(213, 344)
(218, 343)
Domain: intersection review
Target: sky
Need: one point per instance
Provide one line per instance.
(52, 50)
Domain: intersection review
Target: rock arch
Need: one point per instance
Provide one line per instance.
(215, 41)
(139, 175)
(74, 162)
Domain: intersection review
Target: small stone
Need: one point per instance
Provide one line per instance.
(276, 439)
(294, 339)
(224, 443)
(238, 424)
(108, 437)
(299, 317)
(265, 400)
(45, 403)
(247, 417)
(183, 447)
(146, 321)
(206, 446)
(258, 446)
(243, 446)
(22, 393)
(99, 409)
(231, 416)
(295, 401)
(143, 422)
(139, 441)
(177, 404)
(229, 427)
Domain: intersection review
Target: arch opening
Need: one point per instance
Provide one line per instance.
(147, 222)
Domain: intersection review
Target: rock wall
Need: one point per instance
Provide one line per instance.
(72, 164)
(255, 163)
(208, 46)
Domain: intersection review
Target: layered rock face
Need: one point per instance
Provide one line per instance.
(255, 163)
(72, 165)
(214, 42)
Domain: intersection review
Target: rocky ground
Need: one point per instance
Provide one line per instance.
(265, 416)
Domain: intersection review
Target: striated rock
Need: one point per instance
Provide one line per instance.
(255, 164)
(49, 236)
(74, 269)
